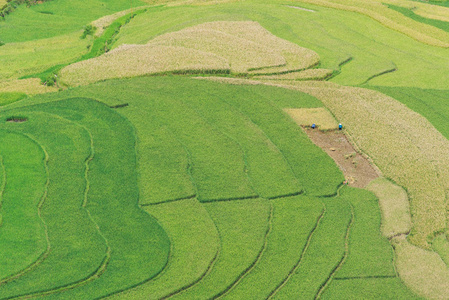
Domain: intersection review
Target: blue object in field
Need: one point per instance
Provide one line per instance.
(340, 127)
(313, 126)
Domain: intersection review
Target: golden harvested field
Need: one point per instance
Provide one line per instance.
(128, 61)
(296, 57)
(242, 54)
(394, 205)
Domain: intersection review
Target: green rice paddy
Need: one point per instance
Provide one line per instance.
(172, 187)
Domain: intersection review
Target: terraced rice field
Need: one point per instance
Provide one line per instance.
(167, 152)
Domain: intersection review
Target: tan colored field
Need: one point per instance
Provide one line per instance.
(242, 54)
(296, 57)
(390, 18)
(136, 60)
(31, 86)
(402, 143)
(308, 116)
(216, 46)
(422, 271)
(394, 205)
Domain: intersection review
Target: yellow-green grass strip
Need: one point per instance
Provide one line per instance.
(114, 142)
(194, 245)
(20, 59)
(10, 97)
(404, 145)
(77, 236)
(30, 86)
(23, 238)
(326, 249)
(294, 220)
(2, 186)
(269, 172)
(394, 206)
(243, 226)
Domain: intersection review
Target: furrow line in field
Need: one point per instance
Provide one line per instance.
(169, 200)
(45, 254)
(340, 65)
(256, 261)
(304, 250)
(342, 261)
(381, 73)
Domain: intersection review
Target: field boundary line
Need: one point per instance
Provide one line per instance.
(381, 73)
(169, 201)
(255, 262)
(366, 277)
(45, 254)
(303, 252)
(325, 284)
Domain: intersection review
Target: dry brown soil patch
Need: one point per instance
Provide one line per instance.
(356, 168)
